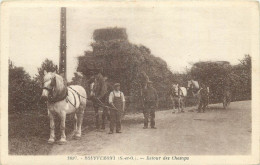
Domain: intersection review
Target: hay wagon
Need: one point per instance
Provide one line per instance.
(216, 75)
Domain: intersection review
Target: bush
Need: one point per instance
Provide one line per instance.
(242, 79)
(23, 93)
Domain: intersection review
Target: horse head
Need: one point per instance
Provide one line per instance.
(189, 84)
(174, 89)
(98, 85)
(53, 86)
(91, 87)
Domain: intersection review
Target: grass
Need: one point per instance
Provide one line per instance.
(29, 131)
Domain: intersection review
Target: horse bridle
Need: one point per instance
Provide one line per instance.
(48, 89)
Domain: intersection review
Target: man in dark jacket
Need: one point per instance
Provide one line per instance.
(204, 95)
(99, 96)
(150, 100)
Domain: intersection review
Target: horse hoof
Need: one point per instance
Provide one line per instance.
(61, 142)
(77, 137)
(51, 141)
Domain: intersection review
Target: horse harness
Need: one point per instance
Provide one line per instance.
(176, 94)
(79, 95)
(66, 96)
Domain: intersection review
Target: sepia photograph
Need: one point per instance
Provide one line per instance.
(140, 82)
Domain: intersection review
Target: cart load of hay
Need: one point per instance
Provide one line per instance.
(216, 75)
(124, 62)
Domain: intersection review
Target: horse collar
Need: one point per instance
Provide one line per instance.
(51, 100)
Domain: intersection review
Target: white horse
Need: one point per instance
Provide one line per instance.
(194, 90)
(63, 100)
(178, 95)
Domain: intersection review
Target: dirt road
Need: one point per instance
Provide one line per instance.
(216, 132)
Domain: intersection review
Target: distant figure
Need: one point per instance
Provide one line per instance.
(178, 95)
(194, 88)
(150, 100)
(117, 101)
(204, 95)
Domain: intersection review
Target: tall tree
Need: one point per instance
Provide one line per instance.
(47, 65)
(23, 91)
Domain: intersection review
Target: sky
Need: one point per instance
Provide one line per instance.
(180, 35)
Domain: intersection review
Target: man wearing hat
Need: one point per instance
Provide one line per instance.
(97, 94)
(204, 98)
(117, 102)
(150, 100)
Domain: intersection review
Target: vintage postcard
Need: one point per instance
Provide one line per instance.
(130, 82)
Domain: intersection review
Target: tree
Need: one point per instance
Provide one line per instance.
(47, 65)
(242, 79)
(124, 62)
(23, 91)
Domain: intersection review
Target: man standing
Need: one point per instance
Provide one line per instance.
(150, 100)
(98, 95)
(117, 101)
(204, 95)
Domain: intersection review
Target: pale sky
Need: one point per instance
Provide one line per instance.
(179, 35)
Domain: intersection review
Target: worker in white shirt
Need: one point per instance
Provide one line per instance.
(117, 101)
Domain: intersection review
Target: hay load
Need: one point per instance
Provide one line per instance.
(215, 74)
(110, 42)
(121, 61)
(209, 71)
(108, 34)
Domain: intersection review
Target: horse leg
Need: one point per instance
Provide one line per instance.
(75, 124)
(80, 116)
(62, 127)
(200, 106)
(52, 128)
(97, 117)
(175, 106)
(79, 124)
(104, 115)
(181, 104)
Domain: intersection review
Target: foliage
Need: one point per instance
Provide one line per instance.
(79, 79)
(48, 66)
(242, 79)
(124, 62)
(221, 76)
(23, 91)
